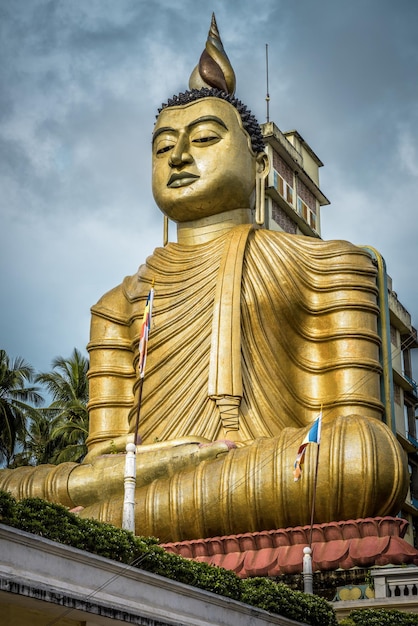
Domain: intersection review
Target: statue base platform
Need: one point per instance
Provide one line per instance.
(335, 545)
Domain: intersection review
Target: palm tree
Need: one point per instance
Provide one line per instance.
(40, 445)
(14, 407)
(68, 386)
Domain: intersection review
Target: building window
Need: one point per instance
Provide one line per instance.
(283, 187)
(279, 183)
(394, 336)
(304, 211)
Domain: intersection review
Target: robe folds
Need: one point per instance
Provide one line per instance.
(283, 324)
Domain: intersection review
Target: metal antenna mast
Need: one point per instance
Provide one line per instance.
(267, 82)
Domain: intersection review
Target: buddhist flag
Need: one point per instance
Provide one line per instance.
(145, 328)
(313, 436)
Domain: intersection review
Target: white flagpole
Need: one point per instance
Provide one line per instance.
(128, 514)
(307, 570)
(307, 551)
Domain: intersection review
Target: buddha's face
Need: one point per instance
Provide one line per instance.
(202, 160)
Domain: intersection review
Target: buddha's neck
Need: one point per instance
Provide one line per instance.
(208, 228)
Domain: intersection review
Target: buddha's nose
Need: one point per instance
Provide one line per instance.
(180, 154)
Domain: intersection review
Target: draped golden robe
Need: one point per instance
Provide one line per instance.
(251, 334)
(306, 322)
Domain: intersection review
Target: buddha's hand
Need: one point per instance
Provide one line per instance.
(169, 457)
(102, 476)
(117, 445)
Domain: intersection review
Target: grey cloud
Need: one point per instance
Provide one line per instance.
(81, 82)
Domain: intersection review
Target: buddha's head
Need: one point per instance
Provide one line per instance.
(207, 147)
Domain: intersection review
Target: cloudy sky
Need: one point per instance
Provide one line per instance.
(80, 84)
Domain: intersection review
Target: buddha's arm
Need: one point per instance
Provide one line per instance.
(75, 484)
(104, 477)
(111, 375)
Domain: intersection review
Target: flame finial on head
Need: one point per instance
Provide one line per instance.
(214, 68)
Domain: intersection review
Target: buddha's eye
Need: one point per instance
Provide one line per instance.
(164, 140)
(205, 139)
(204, 136)
(164, 149)
(163, 144)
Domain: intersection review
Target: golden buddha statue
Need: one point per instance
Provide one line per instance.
(253, 331)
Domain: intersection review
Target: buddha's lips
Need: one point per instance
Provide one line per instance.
(180, 179)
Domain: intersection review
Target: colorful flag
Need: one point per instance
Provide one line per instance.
(145, 328)
(313, 436)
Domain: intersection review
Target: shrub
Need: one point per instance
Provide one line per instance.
(278, 598)
(382, 617)
(7, 508)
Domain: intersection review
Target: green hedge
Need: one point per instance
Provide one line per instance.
(55, 522)
(278, 598)
(380, 617)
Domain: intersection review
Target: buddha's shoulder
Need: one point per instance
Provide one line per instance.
(116, 304)
(313, 247)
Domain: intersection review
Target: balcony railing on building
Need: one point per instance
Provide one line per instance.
(413, 384)
(395, 582)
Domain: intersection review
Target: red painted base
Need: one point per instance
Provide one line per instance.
(346, 544)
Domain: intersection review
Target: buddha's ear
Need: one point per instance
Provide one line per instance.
(261, 172)
(263, 164)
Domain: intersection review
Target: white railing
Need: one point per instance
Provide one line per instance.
(395, 582)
